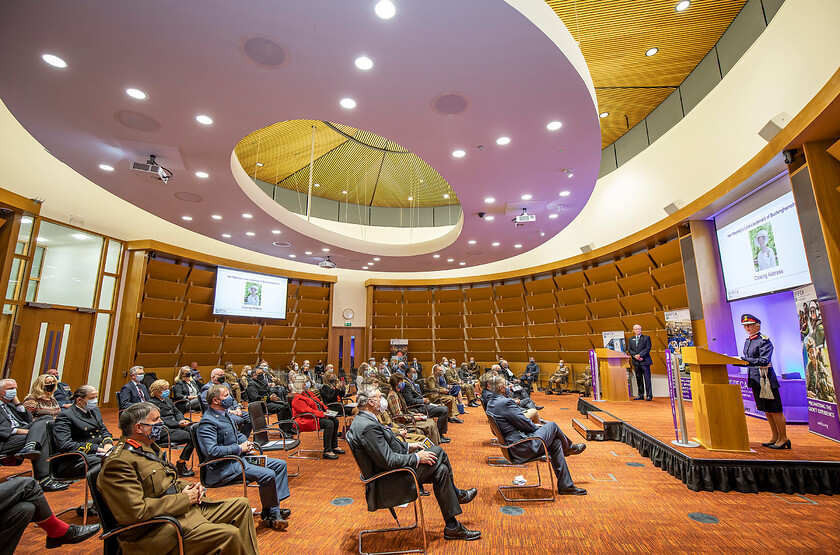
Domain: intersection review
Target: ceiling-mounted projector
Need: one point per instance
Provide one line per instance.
(327, 263)
(523, 218)
(151, 167)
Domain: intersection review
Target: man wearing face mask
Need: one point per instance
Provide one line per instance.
(25, 437)
(259, 390)
(138, 484)
(217, 437)
(80, 429)
(62, 391)
(377, 450)
(241, 418)
(134, 391)
(416, 403)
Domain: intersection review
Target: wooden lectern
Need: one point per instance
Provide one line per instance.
(611, 366)
(719, 417)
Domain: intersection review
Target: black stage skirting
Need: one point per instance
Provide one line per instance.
(744, 476)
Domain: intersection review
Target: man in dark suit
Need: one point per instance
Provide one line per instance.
(416, 366)
(259, 390)
(196, 374)
(514, 426)
(25, 437)
(134, 391)
(376, 449)
(412, 396)
(639, 350)
(62, 391)
(217, 437)
(80, 429)
(532, 374)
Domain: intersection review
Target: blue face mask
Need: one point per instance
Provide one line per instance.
(156, 430)
(227, 402)
(165, 394)
(91, 404)
(10, 394)
(139, 377)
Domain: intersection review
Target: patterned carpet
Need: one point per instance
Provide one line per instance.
(629, 509)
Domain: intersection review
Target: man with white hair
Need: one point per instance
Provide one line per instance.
(134, 391)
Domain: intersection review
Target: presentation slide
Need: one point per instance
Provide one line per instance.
(763, 251)
(241, 293)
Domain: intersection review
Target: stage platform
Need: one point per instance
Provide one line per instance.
(812, 466)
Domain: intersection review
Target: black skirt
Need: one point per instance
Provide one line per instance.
(767, 405)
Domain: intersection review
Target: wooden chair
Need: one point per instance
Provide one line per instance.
(505, 447)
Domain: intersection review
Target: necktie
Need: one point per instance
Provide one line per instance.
(139, 392)
(12, 416)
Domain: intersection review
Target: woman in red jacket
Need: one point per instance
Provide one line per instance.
(305, 401)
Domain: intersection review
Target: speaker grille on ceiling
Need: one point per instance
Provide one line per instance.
(264, 52)
(450, 104)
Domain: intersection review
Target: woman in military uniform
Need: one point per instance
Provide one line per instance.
(758, 351)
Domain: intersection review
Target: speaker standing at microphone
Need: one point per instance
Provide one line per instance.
(638, 347)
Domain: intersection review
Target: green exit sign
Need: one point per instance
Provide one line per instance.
(347, 324)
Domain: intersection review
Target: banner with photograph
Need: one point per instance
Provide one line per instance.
(819, 382)
(680, 334)
(614, 340)
(399, 351)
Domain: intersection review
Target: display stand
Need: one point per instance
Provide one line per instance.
(612, 374)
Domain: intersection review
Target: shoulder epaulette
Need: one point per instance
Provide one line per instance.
(764, 336)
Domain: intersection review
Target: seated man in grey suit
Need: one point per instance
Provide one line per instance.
(241, 418)
(217, 436)
(376, 449)
(514, 426)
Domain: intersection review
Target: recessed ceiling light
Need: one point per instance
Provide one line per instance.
(80, 236)
(186, 218)
(307, 252)
(347, 103)
(651, 51)
(216, 217)
(542, 233)
(247, 216)
(517, 246)
(503, 140)
(317, 185)
(554, 125)
(552, 216)
(445, 196)
(260, 164)
(226, 235)
(275, 231)
(450, 260)
(364, 63)
(385, 9)
(364, 267)
(489, 218)
(292, 256)
(682, 6)
(526, 197)
(435, 256)
(410, 198)
(250, 233)
(26, 220)
(602, 115)
(458, 153)
(343, 192)
(54, 60)
(471, 241)
(489, 200)
(565, 193)
(569, 174)
(376, 259)
(106, 167)
(496, 244)
(204, 120)
(325, 249)
(462, 263)
(202, 175)
(137, 94)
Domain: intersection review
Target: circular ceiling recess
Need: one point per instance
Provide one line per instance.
(188, 197)
(264, 52)
(450, 104)
(282, 244)
(137, 121)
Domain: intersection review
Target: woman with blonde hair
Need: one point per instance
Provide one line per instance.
(185, 391)
(40, 400)
(175, 422)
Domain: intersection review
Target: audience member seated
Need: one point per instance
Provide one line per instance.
(531, 414)
(291, 372)
(134, 391)
(244, 376)
(217, 437)
(515, 389)
(320, 369)
(412, 397)
(185, 391)
(305, 401)
(439, 392)
(453, 377)
(365, 370)
(62, 392)
(505, 371)
(416, 366)
(531, 375)
(233, 383)
(175, 422)
(333, 392)
(585, 382)
(40, 401)
(241, 418)
(196, 375)
(558, 379)
(22, 501)
(81, 429)
(25, 437)
(514, 426)
(209, 526)
(378, 450)
(473, 367)
(274, 397)
(400, 415)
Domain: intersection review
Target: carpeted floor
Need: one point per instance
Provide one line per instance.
(629, 509)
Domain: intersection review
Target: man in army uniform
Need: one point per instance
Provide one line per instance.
(138, 484)
(558, 379)
(233, 382)
(452, 377)
(585, 382)
(440, 395)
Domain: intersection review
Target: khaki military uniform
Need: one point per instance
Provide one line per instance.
(138, 485)
(585, 382)
(452, 377)
(559, 378)
(386, 421)
(233, 381)
(440, 395)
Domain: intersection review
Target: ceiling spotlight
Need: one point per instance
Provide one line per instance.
(250, 233)
(226, 235)
(376, 259)
(517, 246)
(458, 153)
(186, 218)
(317, 185)
(471, 241)
(503, 140)
(136, 93)
(260, 164)
(651, 51)
(527, 197)
(450, 260)
(204, 120)
(292, 256)
(445, 196)
(202, 175)
(364, 267)
(343, 192)
(554, 125)
(462, 263)
(275, 231)
(542, 233)
(53, 60)
(347, 103)
(410, 198)
(552, 216)
(565, 193)
(370, 263)
(325, 249)
(247, 216)
(216, 217)
(385, 9)
(570, 175)
(364, 63)
(682, 6)
(489, 218)
(496, 244)
(489, 200)
(602, 115)
(106, 167)
(307, 252)
(435, 256)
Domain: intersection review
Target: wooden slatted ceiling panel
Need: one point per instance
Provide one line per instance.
(614, 35)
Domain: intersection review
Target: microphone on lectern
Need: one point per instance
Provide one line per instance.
(708, 343)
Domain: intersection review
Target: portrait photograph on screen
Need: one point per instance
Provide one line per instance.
(240, 293)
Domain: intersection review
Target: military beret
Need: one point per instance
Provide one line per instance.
(749, 319)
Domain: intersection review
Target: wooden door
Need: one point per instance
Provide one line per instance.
(52, 338)
(347, 349)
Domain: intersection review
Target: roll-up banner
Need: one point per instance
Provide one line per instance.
(680, 334)
(399, 351)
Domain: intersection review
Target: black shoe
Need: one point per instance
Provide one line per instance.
(330, 456)
(539, 407)
(769, 443)
(574, 490)
(181, 468)
(52, 485)
(30, 452)
(424, 492)
(472, 404)
(549, 393)
(444, 439)
(576, 449)
(76, 534)
(460, 533)
(285, 513)
(80, 512)
(785, 445)
(277, 523)
(649, 399)
(338, 451)
(639, 398)
(465, 496)
(455, 420)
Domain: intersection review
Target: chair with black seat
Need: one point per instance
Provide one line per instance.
(505, 447)
(111, 529)
(419, 520)
(64, 477)
(319, 435)
(491, 460)
(272, 437)
(203, 461)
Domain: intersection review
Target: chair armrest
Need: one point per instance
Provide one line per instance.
(237, 458)
(313, 417)
(72, 454)
(423, 408)
(386, 473)
(164, 519)
(507, 447)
